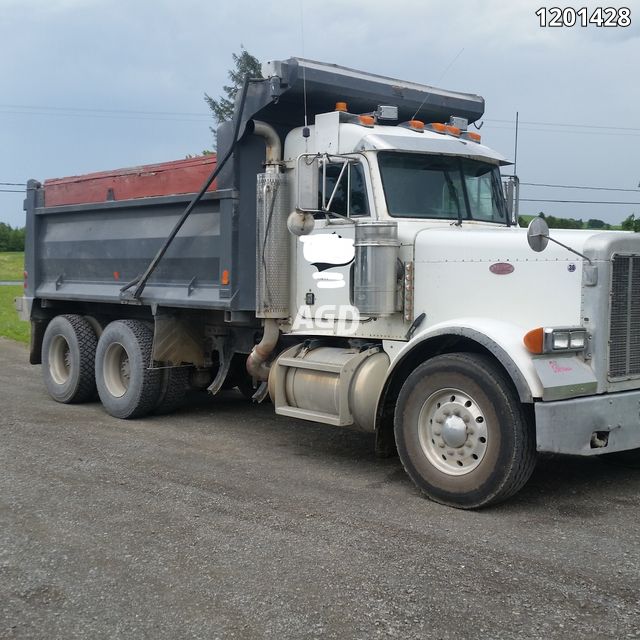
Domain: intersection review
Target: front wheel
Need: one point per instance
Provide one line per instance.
(461, 432)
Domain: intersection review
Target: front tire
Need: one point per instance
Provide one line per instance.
(127, 386)
(68, 354)
(461, 432)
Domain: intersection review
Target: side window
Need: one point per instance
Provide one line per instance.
(358, 201)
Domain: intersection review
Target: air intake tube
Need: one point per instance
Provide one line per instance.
(257, 366)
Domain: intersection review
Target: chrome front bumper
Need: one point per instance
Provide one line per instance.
(589, 426)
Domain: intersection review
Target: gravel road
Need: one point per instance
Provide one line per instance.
(226, 521)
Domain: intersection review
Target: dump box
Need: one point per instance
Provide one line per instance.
(92, 234)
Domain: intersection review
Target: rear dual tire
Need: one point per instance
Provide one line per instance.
(173, 389)
(68, 356)
(127, 385)
(76, 364)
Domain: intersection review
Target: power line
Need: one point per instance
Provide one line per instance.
(571, 132)
(577, 201)
(565, 124)
(12, 190)
(38, 109)
(570, 186)
(200, 114)
(103, 116)
(13, 184)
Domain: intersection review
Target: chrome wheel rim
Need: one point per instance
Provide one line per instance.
(116, 370)
(452, 431)
(60, 360)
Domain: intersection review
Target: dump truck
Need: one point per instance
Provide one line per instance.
(349, 254)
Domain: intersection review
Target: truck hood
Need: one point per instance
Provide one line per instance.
(492, 273)
(473, 243)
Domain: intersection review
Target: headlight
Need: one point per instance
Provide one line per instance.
(560, 340)
(556, 339)
(577, 340)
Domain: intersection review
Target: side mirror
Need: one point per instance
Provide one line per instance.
(318, 193)
(538, 234)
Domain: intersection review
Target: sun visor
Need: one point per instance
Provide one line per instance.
(279, 98)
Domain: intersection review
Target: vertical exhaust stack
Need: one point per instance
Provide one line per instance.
(272, 251)
(273, 239)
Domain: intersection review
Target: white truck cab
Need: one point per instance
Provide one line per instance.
(478, 313)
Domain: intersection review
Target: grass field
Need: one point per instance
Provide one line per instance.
(10, 325)
(11, 268)
(11, 265)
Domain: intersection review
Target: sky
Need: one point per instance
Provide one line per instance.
(89, 85)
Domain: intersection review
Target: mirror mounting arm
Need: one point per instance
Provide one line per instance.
(564, 246)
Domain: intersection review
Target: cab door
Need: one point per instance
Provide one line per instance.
(325, 257)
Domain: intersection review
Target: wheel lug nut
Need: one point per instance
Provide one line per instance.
(437, 433)
(441, 445)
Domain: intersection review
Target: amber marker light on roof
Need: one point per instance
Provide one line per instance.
(534, 340)
(452, 131)
(438, 127)
(367, 121)
(418, 125)
(473, 136)
(341, 106)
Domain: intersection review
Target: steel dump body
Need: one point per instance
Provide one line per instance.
(89, 251)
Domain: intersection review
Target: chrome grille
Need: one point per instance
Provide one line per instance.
(624, 320)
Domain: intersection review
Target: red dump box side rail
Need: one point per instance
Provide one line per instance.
(146, 181)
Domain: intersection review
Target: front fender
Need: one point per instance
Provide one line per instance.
(502, 339)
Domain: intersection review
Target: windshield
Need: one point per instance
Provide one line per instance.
(445, 187)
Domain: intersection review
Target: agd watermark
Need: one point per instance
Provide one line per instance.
(341, 319)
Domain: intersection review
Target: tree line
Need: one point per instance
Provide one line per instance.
(11, 239)
(631, 223)
(554, 222)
